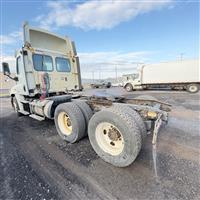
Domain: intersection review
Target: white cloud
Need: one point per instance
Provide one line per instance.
(96, 14)
(10, 60)
(6, 39)
(11, 38)
(113, 57)
(104, 64)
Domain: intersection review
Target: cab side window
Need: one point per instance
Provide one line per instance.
(37, 62)
(47, 63)
(42, 62)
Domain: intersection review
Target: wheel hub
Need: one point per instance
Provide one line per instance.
(109, 138)
(193, 88)
(113, 134)
(65, 123)
(68, 122)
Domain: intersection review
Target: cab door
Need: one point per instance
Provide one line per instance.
(22, 82)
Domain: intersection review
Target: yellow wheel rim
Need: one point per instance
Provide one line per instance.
(64, 123)
(109, 138)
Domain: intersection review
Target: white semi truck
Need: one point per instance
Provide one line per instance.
(183, 74)
(48, 85)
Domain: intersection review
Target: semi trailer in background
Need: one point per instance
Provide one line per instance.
(181, 75)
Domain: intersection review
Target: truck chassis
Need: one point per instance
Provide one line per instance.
(48, 85)
(117, 126)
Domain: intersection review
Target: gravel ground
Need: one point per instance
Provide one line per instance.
(37, 164)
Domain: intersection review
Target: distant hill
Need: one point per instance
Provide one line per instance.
(6, 83)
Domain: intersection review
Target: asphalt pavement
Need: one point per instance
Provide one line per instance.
(37, 164)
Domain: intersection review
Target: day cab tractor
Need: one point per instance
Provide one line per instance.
(48, 86)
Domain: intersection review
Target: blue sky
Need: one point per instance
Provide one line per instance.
(114, 32)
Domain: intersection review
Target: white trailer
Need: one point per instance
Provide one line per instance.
(183, 74)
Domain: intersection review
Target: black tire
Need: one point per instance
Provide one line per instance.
(108, 85)
(192, 88)
(127, 127)
(15, 106)
(77, 122)
(140, 123)
(135, 116)
(86, 110)
(129, 87)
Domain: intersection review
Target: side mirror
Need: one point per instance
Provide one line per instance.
(6, 70)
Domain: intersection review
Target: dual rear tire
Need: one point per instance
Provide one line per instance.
(115, 136)
(71, 120)
(116, 133)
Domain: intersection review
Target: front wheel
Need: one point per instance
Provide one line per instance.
(129, 87)
(192, 88)
(115, 136)
(15, 106)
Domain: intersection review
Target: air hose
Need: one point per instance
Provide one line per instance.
(45, 85)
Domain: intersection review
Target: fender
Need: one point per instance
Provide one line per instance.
(17, 89)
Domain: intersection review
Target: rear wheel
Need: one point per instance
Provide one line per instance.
(70, 122)
(86, 110)
(192, 88)
(129, 87)
(138, 119)
(135, 116)
(115, 136)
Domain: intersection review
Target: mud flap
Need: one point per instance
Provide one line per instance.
(157, 126)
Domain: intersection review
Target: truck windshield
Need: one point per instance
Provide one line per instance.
(135, 76)
(42, 62)
(63, 65)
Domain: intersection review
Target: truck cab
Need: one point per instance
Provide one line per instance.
(132, 81)
(47, 66)
(47, 63)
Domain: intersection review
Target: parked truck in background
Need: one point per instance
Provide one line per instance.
(181, 75)
(48, 85)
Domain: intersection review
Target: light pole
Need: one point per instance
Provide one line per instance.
(181, 56)
(99, 73)
(92, 76)
(116, 72)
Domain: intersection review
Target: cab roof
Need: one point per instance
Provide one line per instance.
(45, 40)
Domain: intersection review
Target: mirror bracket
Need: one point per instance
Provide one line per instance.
(13, 78)
(6, 71)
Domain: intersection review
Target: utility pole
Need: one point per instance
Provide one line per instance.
(116, 73)
(99, 73)
(181, 56)
(92, 76)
